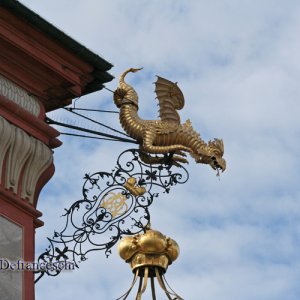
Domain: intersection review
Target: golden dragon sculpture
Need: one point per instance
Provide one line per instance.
(166, 135)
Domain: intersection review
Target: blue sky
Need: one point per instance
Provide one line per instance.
(238, 65)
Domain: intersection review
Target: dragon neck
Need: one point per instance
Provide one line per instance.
(122, 77)
(130, 121)
(194, 141)
(130, 95)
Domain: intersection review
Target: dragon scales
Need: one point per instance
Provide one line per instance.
(167, 135)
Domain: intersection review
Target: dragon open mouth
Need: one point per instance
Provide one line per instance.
(216, 166)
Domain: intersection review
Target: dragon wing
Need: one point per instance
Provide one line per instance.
(170, 99)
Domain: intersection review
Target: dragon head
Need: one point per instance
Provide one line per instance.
(125, 94)
(215, 151)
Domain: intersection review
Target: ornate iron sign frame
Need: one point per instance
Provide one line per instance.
(113, 204)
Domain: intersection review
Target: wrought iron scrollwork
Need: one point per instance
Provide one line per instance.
(113, 204)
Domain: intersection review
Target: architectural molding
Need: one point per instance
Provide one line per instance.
(37, 163)
(18, 95)
(44, 61)
(34, 126)
(5, 142)
(23, 159)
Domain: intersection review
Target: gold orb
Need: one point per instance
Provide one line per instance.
(152, 249)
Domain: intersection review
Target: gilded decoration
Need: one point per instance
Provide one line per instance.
(133, 188)
(167, 135)
(149, 255)
(115, 203)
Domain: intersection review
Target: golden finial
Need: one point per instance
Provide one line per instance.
(149, 255)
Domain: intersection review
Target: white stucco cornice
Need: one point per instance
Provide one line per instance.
(23, 159)
(13, 92)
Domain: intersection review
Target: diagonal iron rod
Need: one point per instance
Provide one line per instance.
(121, 139)
(90, 137)
(96, 122)
(88, 109)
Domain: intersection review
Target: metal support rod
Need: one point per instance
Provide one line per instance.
(50, 121)
(140, 287)
(96, 122)
(89, 137)
(94, 110)
(153, 288)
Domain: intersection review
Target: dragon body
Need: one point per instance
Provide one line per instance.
(167, 135)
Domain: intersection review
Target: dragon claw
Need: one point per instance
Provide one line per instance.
(181, 153)
(177, 159)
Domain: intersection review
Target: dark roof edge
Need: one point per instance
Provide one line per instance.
(35, 20)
